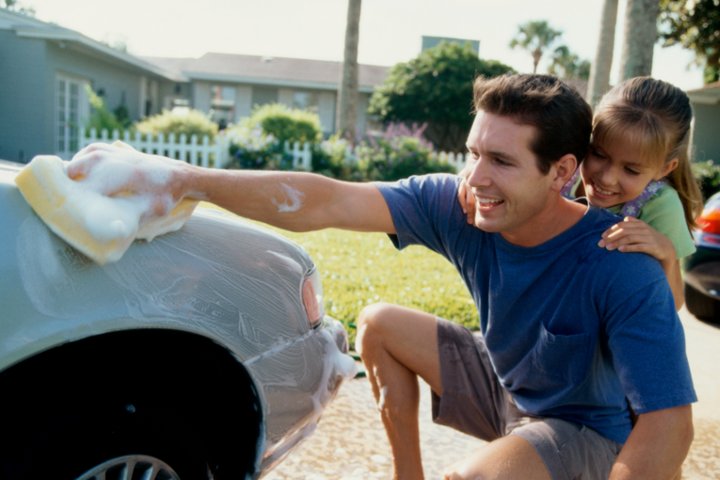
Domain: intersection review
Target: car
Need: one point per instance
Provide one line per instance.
(204, 353)
(702, 268)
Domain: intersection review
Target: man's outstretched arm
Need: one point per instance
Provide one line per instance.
(657, 446)
(291, 200)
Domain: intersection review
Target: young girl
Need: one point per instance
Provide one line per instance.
(638, 166)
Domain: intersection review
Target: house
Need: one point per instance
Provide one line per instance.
(230, 85)
(706, 109)
(45, 70)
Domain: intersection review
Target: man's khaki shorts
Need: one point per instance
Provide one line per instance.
(474, 402)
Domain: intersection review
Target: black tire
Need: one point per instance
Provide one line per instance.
(64, 437)
(63, 415)
(702, 306)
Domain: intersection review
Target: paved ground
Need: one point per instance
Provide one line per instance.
(350, 444)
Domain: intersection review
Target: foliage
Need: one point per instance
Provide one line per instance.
(103, 119)
(258, 142)
(708, 175)
(255, 149)
(285, 124)
(396, 158)
(696, 26)
(399, 152)
(435, 88)
(333, 158)
(358, 270)
(180, 121)
(17, 7)
(568, 65)
(535, 37)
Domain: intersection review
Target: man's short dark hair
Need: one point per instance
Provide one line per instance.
(562, 118)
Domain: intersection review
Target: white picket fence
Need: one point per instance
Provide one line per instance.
(197, 151)
(215, 153)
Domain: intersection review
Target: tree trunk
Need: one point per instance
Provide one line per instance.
(347, 103)
(640, 36)
(599, 82)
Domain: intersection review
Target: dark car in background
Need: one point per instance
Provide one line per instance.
(702, 268)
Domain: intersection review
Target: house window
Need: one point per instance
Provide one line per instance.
(71, 107)
(264, 95)
(222, 104)
(305, 101)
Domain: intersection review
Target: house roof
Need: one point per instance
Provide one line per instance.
(276, 71)
(708, 94)
(28, 27)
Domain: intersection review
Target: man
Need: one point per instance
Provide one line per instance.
(571, 333)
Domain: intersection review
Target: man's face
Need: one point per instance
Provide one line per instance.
(511, 194)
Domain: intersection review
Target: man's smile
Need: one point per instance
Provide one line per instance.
(487, 203)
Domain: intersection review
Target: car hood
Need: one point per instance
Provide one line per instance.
(204, 279)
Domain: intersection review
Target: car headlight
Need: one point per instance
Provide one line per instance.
(312, 297)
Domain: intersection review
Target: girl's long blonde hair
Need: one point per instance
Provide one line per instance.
(656, 116)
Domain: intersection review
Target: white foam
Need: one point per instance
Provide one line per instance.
(292, 201)
(109, 218)
(101, 204)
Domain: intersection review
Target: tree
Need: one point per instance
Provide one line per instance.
(640, 36)
(535, 37)
(347, 103)
(17, 7)
(695, 26)
(435, 88)
(599, 82)
(568, 65)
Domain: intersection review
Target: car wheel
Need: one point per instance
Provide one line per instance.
(98, 404)
(73, 438)
(702, 306)
(131, 466)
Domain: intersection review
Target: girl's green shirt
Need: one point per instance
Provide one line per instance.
(664, 212)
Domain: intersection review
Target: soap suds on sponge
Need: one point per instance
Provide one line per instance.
(100, 226)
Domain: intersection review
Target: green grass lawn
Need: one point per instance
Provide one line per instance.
(359, 269)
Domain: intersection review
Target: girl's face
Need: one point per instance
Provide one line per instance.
(616, 173)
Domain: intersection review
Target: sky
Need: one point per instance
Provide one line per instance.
(390, 30)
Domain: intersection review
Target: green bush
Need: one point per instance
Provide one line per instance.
(254, 149)
(285, 124)
(708, 175)
(189, 122)
(103, 119)
(332, 159)
(398, 157)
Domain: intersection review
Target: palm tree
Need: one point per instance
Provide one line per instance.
(535, 37)
(347, 103)
(600, 69)
(568, 65)
(640, 35)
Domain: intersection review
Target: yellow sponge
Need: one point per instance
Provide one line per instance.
(99, 226)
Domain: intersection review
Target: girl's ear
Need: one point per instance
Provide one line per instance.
(563, 170)
(667, 168)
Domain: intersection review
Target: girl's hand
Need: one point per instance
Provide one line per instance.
(633, 235)
(465, 196)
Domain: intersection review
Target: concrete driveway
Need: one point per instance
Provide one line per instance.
(350, 443)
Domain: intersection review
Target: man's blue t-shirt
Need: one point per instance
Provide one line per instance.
(573, 330)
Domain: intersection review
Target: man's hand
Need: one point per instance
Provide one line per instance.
(118, 170)
(465, 195)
